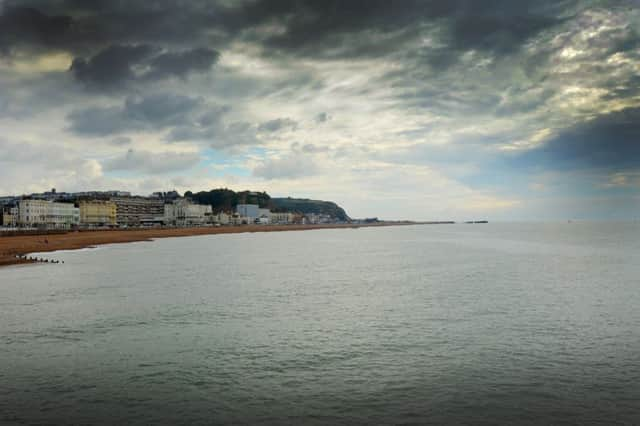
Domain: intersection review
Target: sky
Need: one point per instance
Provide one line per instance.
(424, 110)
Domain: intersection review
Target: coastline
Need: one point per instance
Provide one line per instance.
(22, 245)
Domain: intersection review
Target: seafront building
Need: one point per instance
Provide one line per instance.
(139, 211)
(314, 219)
(98, 213)
(264, 217)
(221, 218)
(264, 213)
(183, 212)
(47, 214)
(236, 219)
(9, 216)
(92, 209)
(281, 218)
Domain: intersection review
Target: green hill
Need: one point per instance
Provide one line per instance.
(226, 200)
(306, 206)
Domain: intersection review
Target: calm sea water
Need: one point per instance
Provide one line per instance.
(476, 324)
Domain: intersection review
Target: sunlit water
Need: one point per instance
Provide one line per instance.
(497, 323)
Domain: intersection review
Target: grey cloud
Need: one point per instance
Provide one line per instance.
(164, 109)
(466, 98)
(308, 148)
(152, 163)
(23, 95)
(100, 121)
(213, 116)
(211, 128)
(278, 124)
(323, 117)
(517, 100)
(291, 166)
(25, 152)
(314, 149)
(153, 112)
(120, 140)
(298, 162)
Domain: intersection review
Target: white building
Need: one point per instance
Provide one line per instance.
(250, 211)
(222, 218)
(264, 212)
(264, 217)
(183, 212)
(236, 219)
(49, 214)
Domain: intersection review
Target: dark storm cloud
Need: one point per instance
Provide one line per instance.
(502, 31)
(434, 46)
(608, 142)
(118, 64)
(311, 27)
(111, 66)
(23, 25)
(180, 64)
(83, 26)
(372, 28)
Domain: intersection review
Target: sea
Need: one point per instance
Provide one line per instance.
(498, 323)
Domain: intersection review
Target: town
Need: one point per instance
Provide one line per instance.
(54, 210)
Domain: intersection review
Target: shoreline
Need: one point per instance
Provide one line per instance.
(23, 245)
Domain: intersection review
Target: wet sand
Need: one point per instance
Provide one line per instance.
(13, 246)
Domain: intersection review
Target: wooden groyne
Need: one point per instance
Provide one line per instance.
(34, 259)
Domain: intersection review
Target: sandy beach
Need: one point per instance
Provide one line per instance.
(12, 246)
